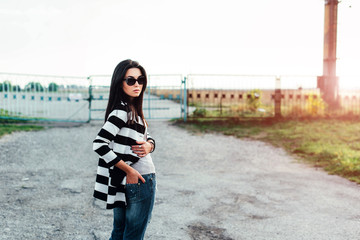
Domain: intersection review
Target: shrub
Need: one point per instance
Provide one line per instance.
(4, 112)
(315, 105)
(254, 99)
(200, 112)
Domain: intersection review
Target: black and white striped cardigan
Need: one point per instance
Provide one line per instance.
(113, 143)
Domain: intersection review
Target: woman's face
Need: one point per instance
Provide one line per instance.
(134, 90)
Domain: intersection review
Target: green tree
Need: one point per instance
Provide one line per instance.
(34, 86)
(16, 88)
(5, 86)
(53, 87)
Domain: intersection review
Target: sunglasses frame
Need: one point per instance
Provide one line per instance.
(141, 80)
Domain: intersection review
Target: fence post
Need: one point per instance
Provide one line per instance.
(185, 100)
(220, 103)
(149, 105)
(277, 98)
(90, 98)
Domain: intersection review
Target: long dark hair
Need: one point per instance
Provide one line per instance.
(117, 94)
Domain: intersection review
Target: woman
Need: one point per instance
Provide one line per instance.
(126, 174)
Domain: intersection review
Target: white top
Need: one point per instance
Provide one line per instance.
(145, 164)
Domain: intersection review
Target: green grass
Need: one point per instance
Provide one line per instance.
(7, 128)
(8, 124)
(328, 143)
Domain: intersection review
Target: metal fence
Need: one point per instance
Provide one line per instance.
(163, 99)
(228, 95)
(262, 96)
(42, 97)
(81, 99)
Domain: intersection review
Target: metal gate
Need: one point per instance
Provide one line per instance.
(82, 99)
(165, 97)
(43, 97)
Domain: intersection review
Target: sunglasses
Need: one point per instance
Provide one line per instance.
(131, 80)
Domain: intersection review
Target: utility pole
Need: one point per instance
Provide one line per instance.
(328, 83)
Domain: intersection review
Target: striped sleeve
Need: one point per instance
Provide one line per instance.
(148, 137)
(116, 120)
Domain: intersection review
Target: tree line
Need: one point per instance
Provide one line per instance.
(6, 86)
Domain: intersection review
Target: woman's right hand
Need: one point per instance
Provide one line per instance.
(133, 176)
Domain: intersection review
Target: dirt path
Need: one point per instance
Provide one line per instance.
(209, 187)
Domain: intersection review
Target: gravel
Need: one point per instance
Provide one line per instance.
(210, 186)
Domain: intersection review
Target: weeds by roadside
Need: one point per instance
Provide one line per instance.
(7, 127)
(332, 144)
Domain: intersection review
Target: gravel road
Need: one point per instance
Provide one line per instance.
(209, 187)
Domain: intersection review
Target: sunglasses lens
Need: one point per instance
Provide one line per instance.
(130, 81)
(141, 80)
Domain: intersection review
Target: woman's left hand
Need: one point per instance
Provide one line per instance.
(142, 149)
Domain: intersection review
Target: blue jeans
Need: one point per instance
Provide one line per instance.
(130, 222)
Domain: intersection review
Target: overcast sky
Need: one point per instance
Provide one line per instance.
(86, 37)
